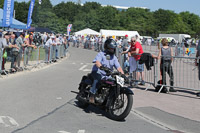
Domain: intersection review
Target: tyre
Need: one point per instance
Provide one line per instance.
(120, 107)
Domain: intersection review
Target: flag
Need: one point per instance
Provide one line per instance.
(30, 12)
(188, 51)
(69, 27)
(40, 2)
(8, 12)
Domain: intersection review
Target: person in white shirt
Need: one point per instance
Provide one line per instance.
(47, 47)
(92, 42)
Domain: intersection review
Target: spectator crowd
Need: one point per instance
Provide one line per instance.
(18, 48)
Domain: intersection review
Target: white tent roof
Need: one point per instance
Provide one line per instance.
(116, 33)
(87, 32)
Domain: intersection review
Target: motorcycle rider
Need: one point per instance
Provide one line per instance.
(103, 61)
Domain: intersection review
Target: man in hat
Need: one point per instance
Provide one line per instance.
(20, 44)
(47, 47)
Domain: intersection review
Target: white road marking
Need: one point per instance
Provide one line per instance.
(8, 121)
(87, 70)
(81, 131)
(73, 63)
(84, 66)
(63, 132)
(89, 63)
(59, 98)
(82, 63)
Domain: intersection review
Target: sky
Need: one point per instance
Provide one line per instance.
(177, 6)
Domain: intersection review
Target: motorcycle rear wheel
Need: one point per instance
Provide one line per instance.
(122, 105)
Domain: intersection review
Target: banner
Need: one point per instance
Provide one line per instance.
(69, 27)
(30, 12)
(8, 12)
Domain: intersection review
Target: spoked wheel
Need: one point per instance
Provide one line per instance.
(120, 107)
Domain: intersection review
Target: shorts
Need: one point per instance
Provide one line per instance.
(140, 67)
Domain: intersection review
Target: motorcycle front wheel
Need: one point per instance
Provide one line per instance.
(120, 107)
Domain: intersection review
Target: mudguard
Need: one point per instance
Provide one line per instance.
(126, 90)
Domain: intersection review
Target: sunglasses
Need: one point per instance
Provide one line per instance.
(133, 41)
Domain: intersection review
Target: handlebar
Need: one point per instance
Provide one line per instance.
(110, 73)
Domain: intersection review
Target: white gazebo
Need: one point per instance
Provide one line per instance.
(118, 33)
(87, 32)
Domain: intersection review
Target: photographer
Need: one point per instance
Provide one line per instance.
(37, 39)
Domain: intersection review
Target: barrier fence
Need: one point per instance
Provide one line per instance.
(30, 58)
(185, 73)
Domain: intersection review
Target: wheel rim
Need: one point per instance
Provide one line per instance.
(119, 105)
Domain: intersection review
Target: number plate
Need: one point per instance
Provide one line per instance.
(120, 81)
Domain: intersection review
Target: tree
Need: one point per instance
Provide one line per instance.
(67, 10)
(90, 6)
(192, 21)
(107, 18)
(1, 3)
(21, 11)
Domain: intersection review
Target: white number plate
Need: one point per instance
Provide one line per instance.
(120, 81)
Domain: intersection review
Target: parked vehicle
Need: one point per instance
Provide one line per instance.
(178, 37)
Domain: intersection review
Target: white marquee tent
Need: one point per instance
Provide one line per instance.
(118, 33)
(87, 32)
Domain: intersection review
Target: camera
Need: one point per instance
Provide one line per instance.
(37, 39)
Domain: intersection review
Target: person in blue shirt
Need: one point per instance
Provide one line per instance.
(102, 60)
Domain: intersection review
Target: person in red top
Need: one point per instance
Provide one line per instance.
(136, 51)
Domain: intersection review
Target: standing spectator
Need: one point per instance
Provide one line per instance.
(138, 39)
(197, 63)
(20, 44)
(124, 47)
(103, 39)
(65, 43)
(47, 47)
(125, 42)
(57, 47)
(166, 54)
(28, 50)
(14, 52)
(44, 38)
(74, 40)
(136, 51)
(92, 42)
(4, 43)
(96, 43)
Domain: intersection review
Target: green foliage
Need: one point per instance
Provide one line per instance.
(93, 15)
(20, 14)
(1, 3)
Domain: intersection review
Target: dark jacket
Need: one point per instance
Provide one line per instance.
(147, 59)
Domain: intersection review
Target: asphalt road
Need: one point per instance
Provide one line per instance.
(42, 102)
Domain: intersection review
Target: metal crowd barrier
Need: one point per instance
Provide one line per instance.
(184, 70)
(31, 58)
(185, 74)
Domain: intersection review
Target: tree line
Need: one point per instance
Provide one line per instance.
(93, 15)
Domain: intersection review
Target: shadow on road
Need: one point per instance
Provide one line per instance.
(99, 111)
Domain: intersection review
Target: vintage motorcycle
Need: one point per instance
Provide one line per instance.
(112, 94)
